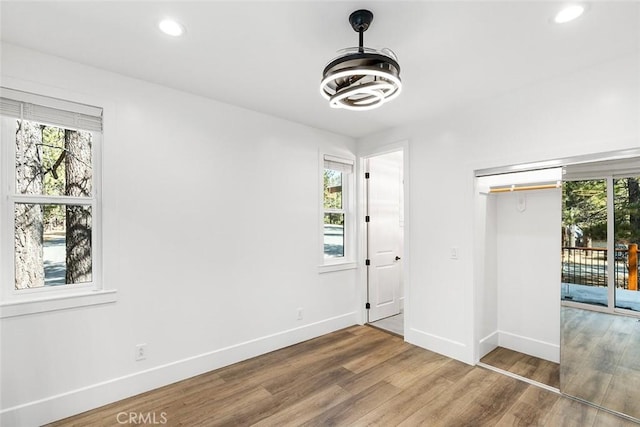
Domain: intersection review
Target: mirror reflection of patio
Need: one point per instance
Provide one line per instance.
(584, 276)
(597, 295)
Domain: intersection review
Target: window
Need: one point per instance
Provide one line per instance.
(50, 158)
(336, 205)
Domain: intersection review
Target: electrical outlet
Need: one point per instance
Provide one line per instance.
(141, 352)
(300, 314)
(453, 253)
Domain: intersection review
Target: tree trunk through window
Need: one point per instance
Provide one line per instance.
(28, 217)
(78, 218)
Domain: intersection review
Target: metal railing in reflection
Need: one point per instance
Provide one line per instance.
(588, 266)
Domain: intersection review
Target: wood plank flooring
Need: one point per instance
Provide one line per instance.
(526, 366)
(359, 376)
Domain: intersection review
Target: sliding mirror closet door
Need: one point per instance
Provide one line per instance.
(600, 341)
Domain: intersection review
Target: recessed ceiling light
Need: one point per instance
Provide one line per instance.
(171, 27)
(569, 13)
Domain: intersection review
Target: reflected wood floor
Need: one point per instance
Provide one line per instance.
(601, 359)
(526, 366)
(394, 324)
(357, 376)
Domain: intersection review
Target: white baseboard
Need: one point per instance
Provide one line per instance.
(80, 400)
(453, 349)
(488, 344)
(533, 347)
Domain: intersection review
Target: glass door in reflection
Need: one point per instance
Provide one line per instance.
(626, 200)
(584, 242)
(592, 211)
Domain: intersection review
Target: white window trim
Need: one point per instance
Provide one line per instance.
(58, 302)
(347, 262)
(30, 301)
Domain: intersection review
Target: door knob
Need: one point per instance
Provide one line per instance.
(397, 258)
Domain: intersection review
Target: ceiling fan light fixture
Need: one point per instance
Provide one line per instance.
(361, 78)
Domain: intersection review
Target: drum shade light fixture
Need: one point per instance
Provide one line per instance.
(361, 78)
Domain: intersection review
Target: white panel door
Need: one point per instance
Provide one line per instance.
(384, 195)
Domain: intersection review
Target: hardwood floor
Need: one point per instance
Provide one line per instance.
(358, 376)
(526, 366)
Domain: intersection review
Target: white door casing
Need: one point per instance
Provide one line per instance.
(384, 187)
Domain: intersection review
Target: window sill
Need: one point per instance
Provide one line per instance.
(328, 268)
(61, 302)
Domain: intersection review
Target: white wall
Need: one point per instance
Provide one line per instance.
(589, 111)
(528, 271)
(211, 219)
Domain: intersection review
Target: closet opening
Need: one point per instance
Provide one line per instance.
(557, 275)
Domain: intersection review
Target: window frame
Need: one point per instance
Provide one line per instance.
(328, 264)
(16, 302)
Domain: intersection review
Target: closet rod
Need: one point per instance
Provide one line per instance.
(525, 187)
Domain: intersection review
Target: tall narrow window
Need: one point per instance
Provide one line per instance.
(49, 151)
(336, 222)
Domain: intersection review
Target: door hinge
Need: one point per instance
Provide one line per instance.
(366, 175)
(366, 218)
(367, 262)
(367, 306)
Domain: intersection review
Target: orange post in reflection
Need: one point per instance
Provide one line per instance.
(633, 267)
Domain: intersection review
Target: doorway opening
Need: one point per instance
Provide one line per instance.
(520, 329)
(592, 214)
(384, 240)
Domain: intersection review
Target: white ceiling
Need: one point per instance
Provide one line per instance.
(268, 56)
